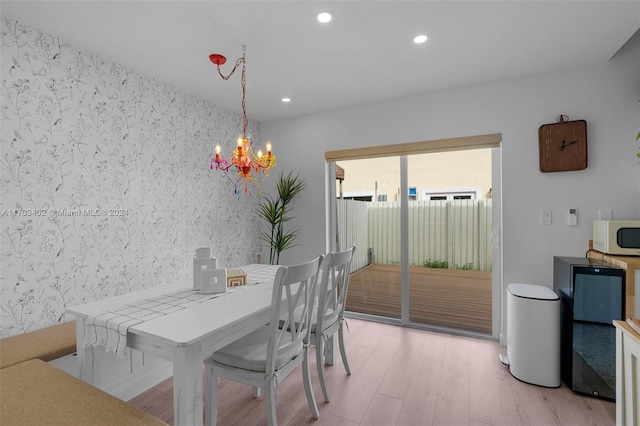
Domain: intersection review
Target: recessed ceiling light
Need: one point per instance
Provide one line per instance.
(325, 17)
(285, 100)
(420, 39)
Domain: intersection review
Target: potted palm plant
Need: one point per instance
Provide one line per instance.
(276, 211)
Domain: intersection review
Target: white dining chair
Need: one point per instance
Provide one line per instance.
(329, 316)
(266, 356)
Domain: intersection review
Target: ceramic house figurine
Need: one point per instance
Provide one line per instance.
(202, 261)
(213, 281)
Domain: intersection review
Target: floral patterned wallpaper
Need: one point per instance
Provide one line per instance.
(106, 187)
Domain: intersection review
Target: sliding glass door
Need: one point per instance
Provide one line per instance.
(449, 240)
(422, 226)
(368, 213)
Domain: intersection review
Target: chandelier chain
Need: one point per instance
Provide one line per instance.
(240, 61)
(235, 67)
(244, 93)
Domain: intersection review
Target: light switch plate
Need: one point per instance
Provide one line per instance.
(545, 217)
(573, 217)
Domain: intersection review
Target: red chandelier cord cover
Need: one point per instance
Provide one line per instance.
(244, 166)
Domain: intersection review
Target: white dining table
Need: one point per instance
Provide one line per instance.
(187, 336)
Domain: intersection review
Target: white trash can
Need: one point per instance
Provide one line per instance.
(533, 334)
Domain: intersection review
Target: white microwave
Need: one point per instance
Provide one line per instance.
(619, 237)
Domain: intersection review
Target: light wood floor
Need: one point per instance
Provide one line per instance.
(403, 376)
(442, 297)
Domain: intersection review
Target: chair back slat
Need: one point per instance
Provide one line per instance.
(333, 287)
(293, 289)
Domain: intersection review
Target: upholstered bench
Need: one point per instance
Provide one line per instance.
(45, 344)
(36, 393)
(33, 392)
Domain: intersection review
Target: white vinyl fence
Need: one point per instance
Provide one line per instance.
(456, 233)
(352, 230)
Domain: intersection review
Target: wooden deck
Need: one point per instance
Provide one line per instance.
(441, 297)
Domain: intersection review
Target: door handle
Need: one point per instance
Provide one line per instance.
(495, 239)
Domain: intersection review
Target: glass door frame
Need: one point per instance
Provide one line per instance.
(404, 240)
(496, 237)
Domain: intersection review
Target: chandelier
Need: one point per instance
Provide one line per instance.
(245, 166)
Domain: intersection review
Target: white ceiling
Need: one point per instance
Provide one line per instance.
(365, 55)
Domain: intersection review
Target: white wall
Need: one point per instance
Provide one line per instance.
(604, 94)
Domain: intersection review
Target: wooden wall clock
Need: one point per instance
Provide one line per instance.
(563, 145)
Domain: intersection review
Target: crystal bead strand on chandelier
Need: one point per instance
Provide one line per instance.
(245, 165)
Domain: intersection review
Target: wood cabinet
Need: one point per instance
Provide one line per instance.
(631, 266)
(627, 375)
